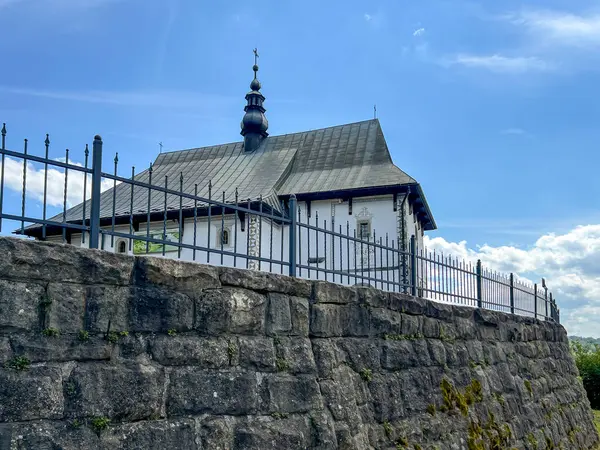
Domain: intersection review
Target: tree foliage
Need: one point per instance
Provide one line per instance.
(587, 358)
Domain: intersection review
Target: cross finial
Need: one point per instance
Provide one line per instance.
(255, 56)
(160, 144)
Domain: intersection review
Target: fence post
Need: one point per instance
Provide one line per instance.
(545, 296)
(96, 186)
(552, 309)
(512, 293)
(479, 285)
(292, 235)
(413, 266)
(535, 305)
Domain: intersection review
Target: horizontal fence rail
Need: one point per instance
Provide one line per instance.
(167, 216)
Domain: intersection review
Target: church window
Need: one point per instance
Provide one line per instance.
(121, 247)
(224, 238)
(363, 229)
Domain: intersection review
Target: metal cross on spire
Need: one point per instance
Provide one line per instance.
(255, 56)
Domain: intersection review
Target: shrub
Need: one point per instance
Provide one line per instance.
(587, 358)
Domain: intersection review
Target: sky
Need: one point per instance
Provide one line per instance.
(491, 106)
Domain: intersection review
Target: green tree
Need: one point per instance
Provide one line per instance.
(587, 358)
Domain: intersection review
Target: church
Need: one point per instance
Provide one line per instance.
(342, 177)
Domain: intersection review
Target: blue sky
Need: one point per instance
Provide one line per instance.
(492, 106)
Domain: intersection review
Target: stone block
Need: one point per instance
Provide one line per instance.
(407, 304)
(154, 434)
(373, 297)
(232, 310)
(159, 310)
(176, 276)
(198, 392)
(385, 321)
(327, 356)
(6, 352)
(132, 392)
(38, 348)
(326, 292)
(291, 394)
(45, 435)
(265, 282)
(360, 353)
(330, 320)
(215, 432)
(66, 309)
(438, 310)
(279, 318)
(104, 304)
(412, 326)
(256, 353)
(297, 354)
(386, 391)
(398, 355)
(274, 434)
(190, 350)
(299, 309)
(20, 304)
(49, 262)
(31, 394)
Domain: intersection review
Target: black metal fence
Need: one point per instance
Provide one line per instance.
(96, 209)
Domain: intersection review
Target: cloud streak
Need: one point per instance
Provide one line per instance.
(500, 64)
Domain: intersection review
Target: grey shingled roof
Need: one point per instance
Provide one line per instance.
(343, 157)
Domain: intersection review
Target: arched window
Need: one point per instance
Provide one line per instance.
(223, 238)
(121, 247)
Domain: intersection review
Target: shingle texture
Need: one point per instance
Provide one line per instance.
(343, 157)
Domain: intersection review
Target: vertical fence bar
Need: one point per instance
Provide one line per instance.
(150, 170)
(209, 220)
(2, 174)
(131, 208)
(292, 236)
(545, 297)
(535, 305)
(479, 284)
(235, 228)
(64, 214)
(44, 206)
(299, 238)
(114, 204)
(24, 187)
(85, 178)
(195, 220)
(512, 293)
(164, 233)
(180, 214)
(325, 247)
(413, 266)
(222, 233)
(96, 190)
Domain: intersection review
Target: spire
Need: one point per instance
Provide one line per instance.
(254, 123)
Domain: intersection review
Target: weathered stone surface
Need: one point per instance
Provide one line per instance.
(20, 304)
(38, 348)
(176, 276)
(265, 282)
(245, 360)
(300, 316)
(279, 317)
(157, 309)
(287, 394)
(31, 394)
(192, 391)
(131, 392)
(28, 260)
(231, 310)
(189, 350)
(330, 320)
(153, 434)
(256, 353)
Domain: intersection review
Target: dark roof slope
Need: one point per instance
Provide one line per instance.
(345, 157)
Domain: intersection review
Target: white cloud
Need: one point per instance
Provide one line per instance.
(36, 176)
(514, 131)
(561, 28)
(570, 262)
(500, 64)
(419, 32)
(368, 17)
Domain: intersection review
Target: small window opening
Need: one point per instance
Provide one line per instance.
(121, 247)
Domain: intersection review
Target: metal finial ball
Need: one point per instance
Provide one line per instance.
(97, 137)
(255, 67)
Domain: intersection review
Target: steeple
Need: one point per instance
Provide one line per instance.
(254, 123)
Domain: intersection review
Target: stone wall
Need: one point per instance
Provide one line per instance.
(105, 351)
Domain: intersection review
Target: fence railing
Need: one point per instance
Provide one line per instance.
(158, 214)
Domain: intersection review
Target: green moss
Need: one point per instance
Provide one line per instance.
(83, 335)
(282, 365)
(388, 429)
(499, 398)
(19, 363)
(100, 423)
(401, 443)
(532, 441)
(366, 374)
(528, 387)
(403, 337)
(112, 337)
(453, 398)
(278, 415)
(597, 420)
(490, 436)
(431, 409)
(418, 447)
(231, 351)
(124, 333)
(70, 388)
(51, 332)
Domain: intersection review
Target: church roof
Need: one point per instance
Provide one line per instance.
(345, 158)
